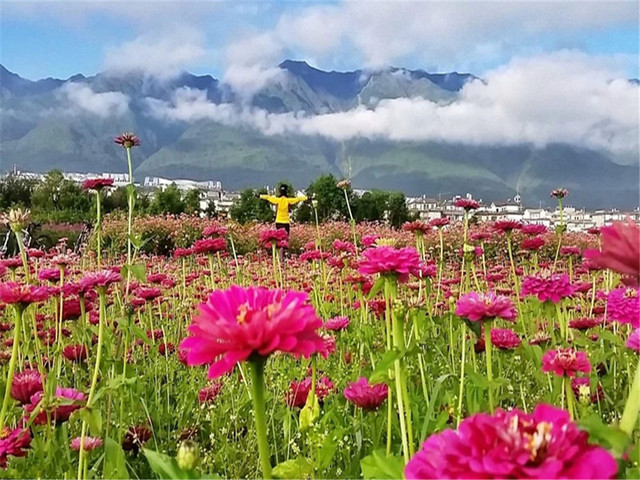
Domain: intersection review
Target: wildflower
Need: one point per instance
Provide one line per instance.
(552, 288)
(505, 339)
(238, 323)
(97, 183)
(71, 400)
(532, 244)
(585, 323)
(134, 438)
(365, 395)
(533, 229)
(99, 279)
(209, 393)
(148, 294)
(49, 274)
(89, 443)
(210, 245)
(417, 227)
(13, 442)
(506, 226)
(25, 384)
(17, 219)
(127, 140)
(299, 391)
(514, 444)
(271, 236)
(337, 323)
(439, 222)
(75, 353)
(385, 260)
(565, 362)
(620, 250)
(623, 306)
(485, 306)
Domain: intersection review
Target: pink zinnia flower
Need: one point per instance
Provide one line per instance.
(75, 353)
(13, 442)
(209, 393)
(532, 244)
(439, 222)
(514, 444)
(238, 323)
(369, 240)
(49, 274)
(365, 395)
(90, 443)
(148, 294)
(623, 305)
(99, 279)
(570, 250)
(565, 362)
(505, 338)
(182, 252)
(552, 288)
(299, 391)
(585, 323)
(127, 140)
(506, 226)
(337, 323)
(25, 384)
(559, 192)
(467, 203)
(386, 260)
(97, 183)
(633, 342)
(533, 229)
(274, 236)
(417, 226)
(485, 306)
(214, 231)
(346, 247)
(59, 413)
(21, 294)
(620, 250)
(210, 245)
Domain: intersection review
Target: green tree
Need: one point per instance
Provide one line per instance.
(115, 200)
(371, 206)
(249, 207)
(192, 201)
(61, 200)
(211, 211)
(16, 191)
(331, 202)
(397, 210)
(167, 201)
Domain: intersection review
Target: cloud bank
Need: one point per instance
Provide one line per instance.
(564, 97)
(80, 98)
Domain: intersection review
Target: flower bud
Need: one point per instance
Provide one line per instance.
(188, 456)
(17, 219)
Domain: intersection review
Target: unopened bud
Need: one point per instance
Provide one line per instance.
(188, 456)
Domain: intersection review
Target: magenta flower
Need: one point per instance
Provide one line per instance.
(386, 260)
(552, 288)
(505, 339)
(366, 396)
(70, 401)
(514, 444)
(148, 294)
(236, 324)
(559, 192)
(22, 295)
(532, 244)
(337, 323)
(49, 274)
(209, 393)
(210, 245)
(565, 362)
(533, 229)
(274, 236)
(299, 391)
(620, 250)
(214, 230)
(467, 204)
(479, 307)
(439, 222)
(623, 305)
(97, 183)
(13, 442)
(99, 279)
(25, 384)
(506, 226)
(90, 443)
(633, 342)
(417, 227)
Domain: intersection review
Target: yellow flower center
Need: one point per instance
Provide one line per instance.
(539, 440)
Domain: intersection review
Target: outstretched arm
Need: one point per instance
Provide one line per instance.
(297, 199)
(269, 198)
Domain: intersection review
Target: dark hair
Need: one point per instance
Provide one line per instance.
(283, 190)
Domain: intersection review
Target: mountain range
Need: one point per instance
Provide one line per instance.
(70, 124)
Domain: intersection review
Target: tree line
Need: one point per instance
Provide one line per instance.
(57, 199)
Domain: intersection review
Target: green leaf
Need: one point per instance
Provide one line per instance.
(139, 272)
(93, 417)
(382, 367)
(328, 450)
(291, 469)
(378, 465)
(167, 467)
(609, 436)
(140, 334)
(310, 412)
(377, 287)
(478, 380)
(115, 465)
(475, 327)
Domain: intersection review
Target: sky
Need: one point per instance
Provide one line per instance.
(551, 71)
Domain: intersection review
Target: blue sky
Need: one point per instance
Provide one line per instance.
(62, 38)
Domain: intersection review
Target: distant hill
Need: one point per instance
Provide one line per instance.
(38, 133)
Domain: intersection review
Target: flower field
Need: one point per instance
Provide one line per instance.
(437, 351)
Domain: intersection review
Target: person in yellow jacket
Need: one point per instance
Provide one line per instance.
(283, 204)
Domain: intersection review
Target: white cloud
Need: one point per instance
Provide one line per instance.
(81, 98)
(161, 55)
(565, 97)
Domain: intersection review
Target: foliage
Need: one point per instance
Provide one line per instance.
(250, 208)
(60, 200)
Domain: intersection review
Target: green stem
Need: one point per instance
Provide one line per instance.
(461, 391)
(23, 254)
(571, 406)
(257, 383)
(487, 349)
(632, 407)
(99, 228)
(17, 328)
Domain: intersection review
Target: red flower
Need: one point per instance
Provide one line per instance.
(533, 229)
(214, 231)
(134, 438)
(209, 393)
(439, 222)
(13, 442)
(505, 339)
(514, 444)
(559, 193)
(75, 353)
(299, 391)
(620, 250)
(148, 294)
(89, 443)
(467, 204)
(271, 236)
(58, 413)
(506, 226)
(127, 140)
(585, 323)
(532, 244)
(25, 384)
(97, 183)
(387, 260)
(99, 279)
(565, 362)
(417, 226)
(623, 305)
(237, 323)
(365, 395)
(485, 306)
